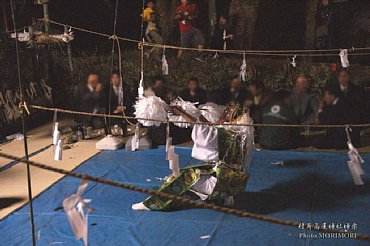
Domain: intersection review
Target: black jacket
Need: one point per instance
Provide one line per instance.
(128, 99)
(200, 96)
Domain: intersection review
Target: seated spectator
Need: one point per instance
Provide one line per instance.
(353, 96)
(90, 98)
(261, 97)
(332, 111)
(304, 103)
(223, 35)
(160, 89)
(120, 100)
(235, 93)
(193, 92)
(186, 14)
(279, 112)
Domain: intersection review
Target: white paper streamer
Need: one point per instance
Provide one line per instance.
(355, 161)
(56, 134)
(224, 37)
(74, 208)
(164, 63)
(343, 54)
(243, 69)
(141, 86)
(58, 150)
(293, 62)
(135, 140)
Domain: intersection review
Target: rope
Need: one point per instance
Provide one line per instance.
(26, 27)
(301, 53)
(24, 108)
(195, 123)
(162, 195)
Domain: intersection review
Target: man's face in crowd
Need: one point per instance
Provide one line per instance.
(301, 85)
(329, 98)
(223, 20)
(158, 84)
(93, 80)
(325, 2)
(235, 85)
(116, 81)
(185, 2)
(193, 85)
(343, 78)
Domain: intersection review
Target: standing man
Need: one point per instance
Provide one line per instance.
(151, 32)
(186, 14)
(304, 103)
(90, 98)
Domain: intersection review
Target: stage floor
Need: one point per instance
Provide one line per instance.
(311, 187)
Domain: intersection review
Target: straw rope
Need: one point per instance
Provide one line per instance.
(185, 201)
(37, 107)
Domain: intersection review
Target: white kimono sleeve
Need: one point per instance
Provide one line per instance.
(205, 143)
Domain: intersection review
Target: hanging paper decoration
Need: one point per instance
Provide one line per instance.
(215, 55)
(224, 37)
(344, 58)
(164, 63)
(355, 161)
(74, 208)
(58, 149)
(243, 69)
(67, 36)
(56, 134)
(141, 86)
(55, 118)
(135, 140)
(293, 62)
(151, 107)
(22, 36)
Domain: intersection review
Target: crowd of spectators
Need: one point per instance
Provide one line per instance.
(342, 103)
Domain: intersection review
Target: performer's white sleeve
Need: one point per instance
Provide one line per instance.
(205, 143)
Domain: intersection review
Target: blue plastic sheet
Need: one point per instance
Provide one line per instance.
(311, 187)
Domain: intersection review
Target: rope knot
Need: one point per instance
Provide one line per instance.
(113, 37)
(23, 106)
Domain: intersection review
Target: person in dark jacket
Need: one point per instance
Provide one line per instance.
(325, 25)
(90, 98)
(305, 104)
(353, 97)
(235, 93)
(121, 101)
(279, 112)
(333, 111)
(223, 35)
(193, 92)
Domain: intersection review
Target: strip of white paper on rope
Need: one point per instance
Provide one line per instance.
(74, 207)
(164, 62)
(58, 150)
(293, 62)
(224, 37)
(343, 54)
(355, 161)
(243, 69)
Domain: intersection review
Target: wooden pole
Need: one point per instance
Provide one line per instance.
(69, 50)
(5, 18)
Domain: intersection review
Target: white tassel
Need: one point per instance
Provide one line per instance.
(164, 63)
(74, 208)
(215, 56)
(58, 150)
(55, 118)
(243, 69)
(141, 86)
(355, 161)
(293, 62)
(344, 58)
(56, 134)
(135, 141)
(224, 37)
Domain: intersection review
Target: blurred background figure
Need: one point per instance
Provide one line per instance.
(279, 112)
(223, 34)
(235, 93)
(305, 104)
(193, 92)
(325, 25)
(90, 98)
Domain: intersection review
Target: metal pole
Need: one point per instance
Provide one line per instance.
(24, 130)
(45, 7)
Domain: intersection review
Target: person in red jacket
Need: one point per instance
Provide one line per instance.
(186, 14)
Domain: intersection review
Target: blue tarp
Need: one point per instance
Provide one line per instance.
(313, 187)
